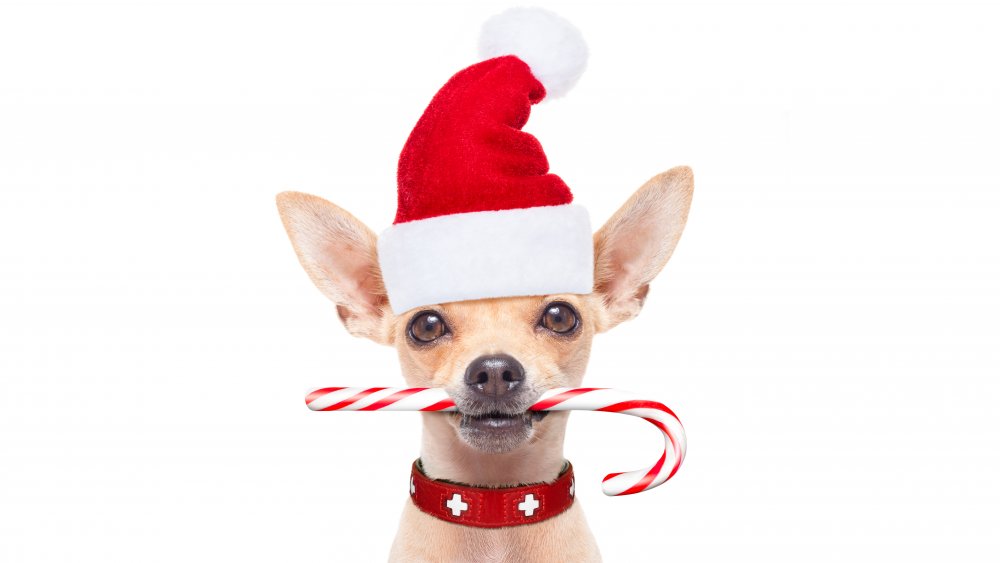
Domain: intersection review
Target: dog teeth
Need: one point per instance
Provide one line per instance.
(495, 422)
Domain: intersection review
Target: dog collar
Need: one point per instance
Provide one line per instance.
(491, 507)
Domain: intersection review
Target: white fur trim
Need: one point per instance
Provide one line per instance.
(550, 45)
(534, 251)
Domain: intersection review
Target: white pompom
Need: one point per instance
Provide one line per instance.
(553, 49)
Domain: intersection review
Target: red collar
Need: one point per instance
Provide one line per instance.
(485, 507)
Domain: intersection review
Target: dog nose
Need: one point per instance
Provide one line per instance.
(494, 375)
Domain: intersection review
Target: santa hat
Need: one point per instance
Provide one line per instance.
(479, 213)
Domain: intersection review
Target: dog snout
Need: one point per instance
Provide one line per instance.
(494, 376)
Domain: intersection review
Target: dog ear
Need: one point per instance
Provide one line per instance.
(339, 253)
(636, 242)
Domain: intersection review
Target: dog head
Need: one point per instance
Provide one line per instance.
(494, 356)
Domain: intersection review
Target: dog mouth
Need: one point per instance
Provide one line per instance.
(497, 432)
(498, 421)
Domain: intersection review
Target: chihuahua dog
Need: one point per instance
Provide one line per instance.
(495, 357)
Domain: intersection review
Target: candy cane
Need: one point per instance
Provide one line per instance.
(562, 399)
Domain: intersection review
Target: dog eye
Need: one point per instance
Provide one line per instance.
(427, 327)
(559, 317)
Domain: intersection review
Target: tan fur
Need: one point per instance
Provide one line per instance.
(339, 254)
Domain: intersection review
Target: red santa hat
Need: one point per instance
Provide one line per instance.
(479, 213)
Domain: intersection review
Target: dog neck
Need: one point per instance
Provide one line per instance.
(445, 456)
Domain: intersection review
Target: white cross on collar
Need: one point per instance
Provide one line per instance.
(529, 505)
(456, 505)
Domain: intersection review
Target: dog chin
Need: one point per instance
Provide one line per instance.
(497, 433)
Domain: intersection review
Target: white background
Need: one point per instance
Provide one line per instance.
(827, 329)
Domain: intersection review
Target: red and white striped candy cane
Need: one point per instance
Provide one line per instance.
(562, 399)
